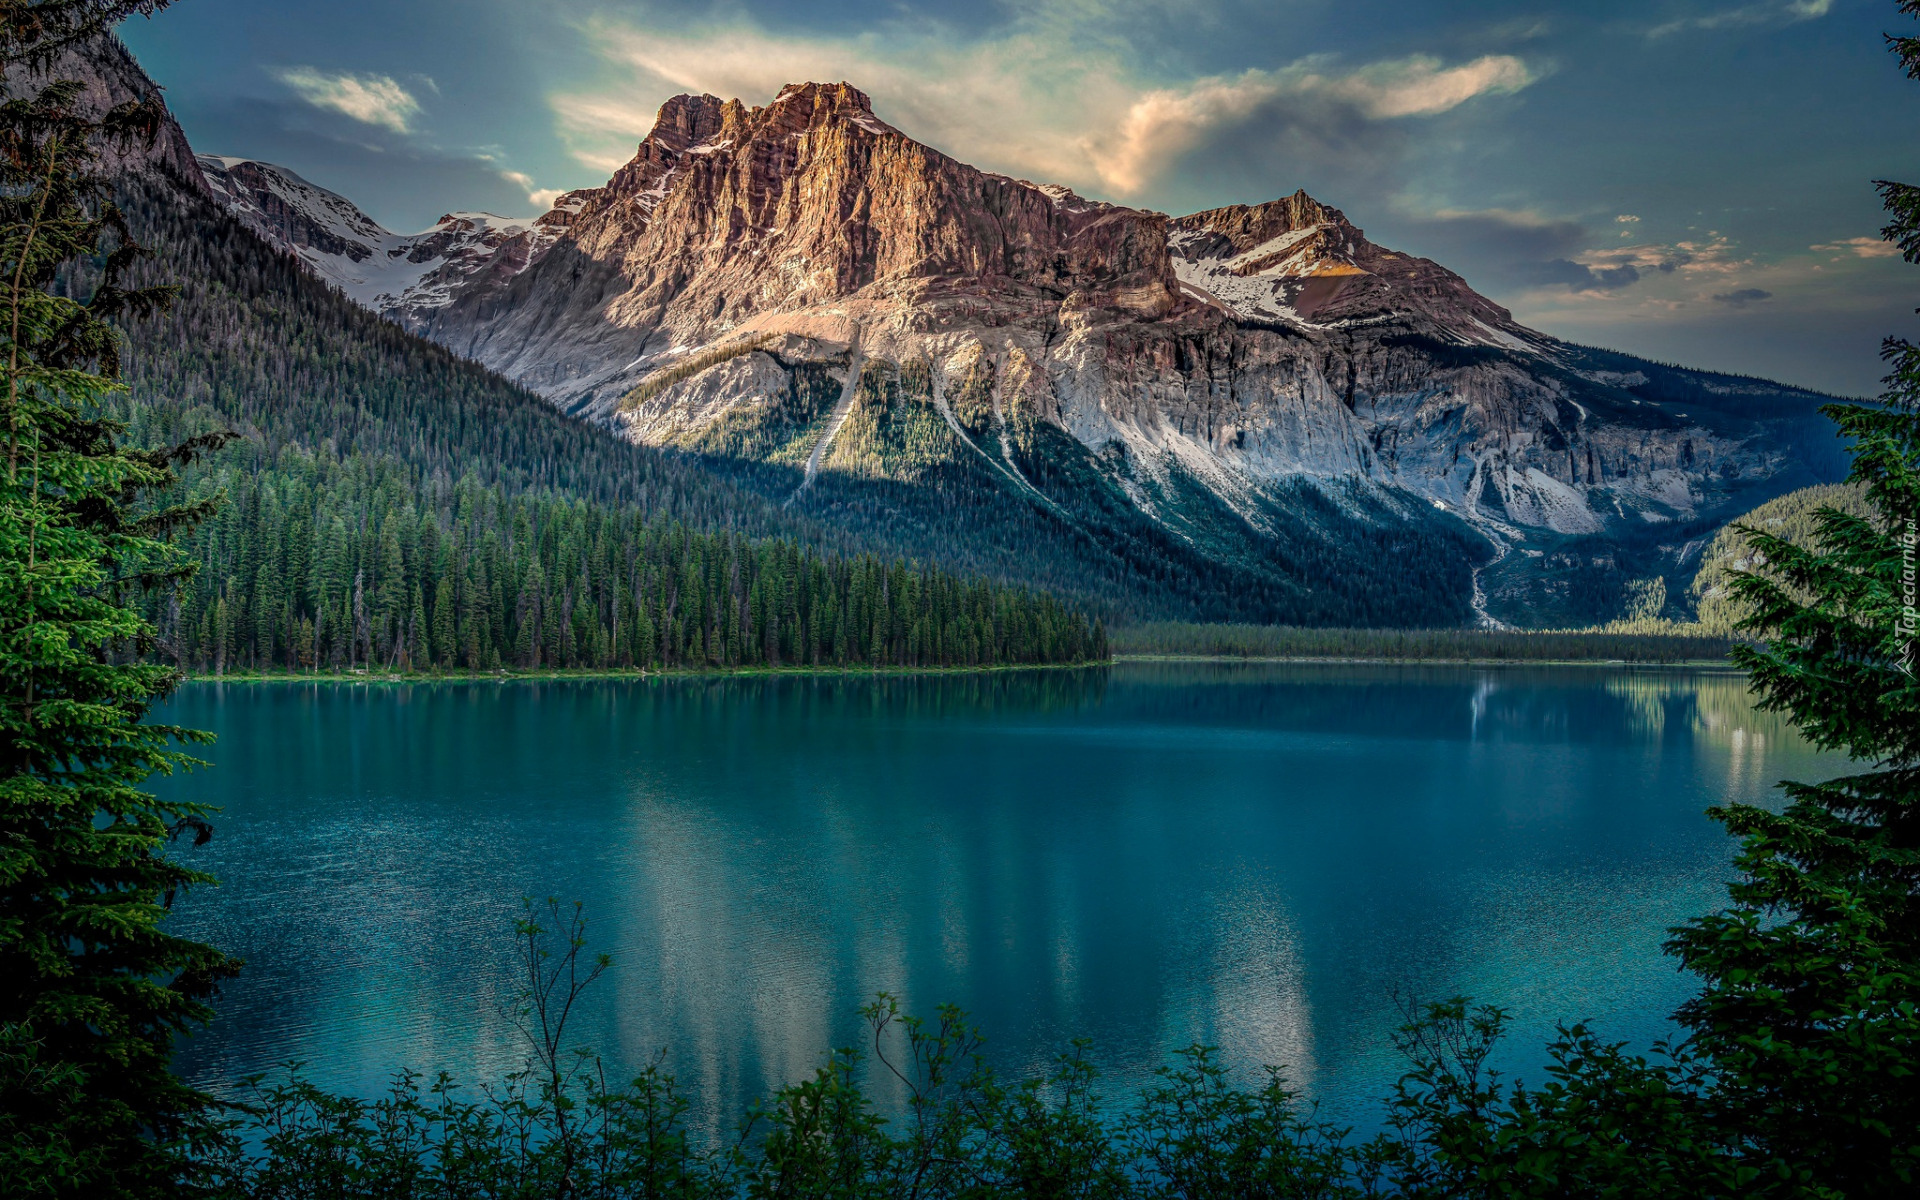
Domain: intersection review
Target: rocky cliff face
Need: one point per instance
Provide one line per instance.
(110, 77)
(803, 284)
(1298, 261)
(728, 214)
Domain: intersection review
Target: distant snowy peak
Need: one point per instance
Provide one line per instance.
(401, 275)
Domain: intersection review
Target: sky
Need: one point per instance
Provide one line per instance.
(1689, 180)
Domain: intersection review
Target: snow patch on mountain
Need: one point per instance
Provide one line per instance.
(390, 273)
(1262, 295)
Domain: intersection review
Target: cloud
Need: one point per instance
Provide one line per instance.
(1581, 277)
(1512, 245)
(1522, 249)
(1421, 87)
(1860, 247)
(369, 99)
(1165, 123)
(539, 197)
(1033, 100)
(1743, 297)
(1606, 270)
(1775, 13)
(1021, 103)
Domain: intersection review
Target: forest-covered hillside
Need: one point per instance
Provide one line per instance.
(1793, 517)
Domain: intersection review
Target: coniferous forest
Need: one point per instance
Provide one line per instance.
(317, 564)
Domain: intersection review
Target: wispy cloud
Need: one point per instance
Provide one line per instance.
(1860, 247)
(537, 196)
(370, 99)
(1610, 269)
(1773, 12)
(1029, 101)
(1743, 297)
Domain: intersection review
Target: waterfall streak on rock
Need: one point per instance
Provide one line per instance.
(1005, 468)
(841, 411)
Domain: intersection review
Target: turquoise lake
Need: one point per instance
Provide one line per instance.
(1257, 856)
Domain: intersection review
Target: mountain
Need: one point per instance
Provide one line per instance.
(805, 289)
(364, 445)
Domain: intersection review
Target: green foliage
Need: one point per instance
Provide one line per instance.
(1606, 1123)
(556, 1128)
(92, 990)
(1443, 645)
(1793, 517)
(893, 430)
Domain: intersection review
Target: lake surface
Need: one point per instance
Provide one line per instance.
(1252, 855)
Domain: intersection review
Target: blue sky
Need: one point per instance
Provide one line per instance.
(1684, 179)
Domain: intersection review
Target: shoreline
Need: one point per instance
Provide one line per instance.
(1692, 664)
(541, 675)
(637, 674)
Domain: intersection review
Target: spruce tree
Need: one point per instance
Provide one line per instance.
(1810, 1011)
(92, 990)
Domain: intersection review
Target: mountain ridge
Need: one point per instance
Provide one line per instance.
(403, 276)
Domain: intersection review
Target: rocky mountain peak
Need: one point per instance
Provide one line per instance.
(807, 106)
(687, 120)
(401, 275)
(1297, 260)
(827, 99)
(1246, 226)
(109, 77)
(728, 215)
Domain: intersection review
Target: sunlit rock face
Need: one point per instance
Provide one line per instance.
(733, 286)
